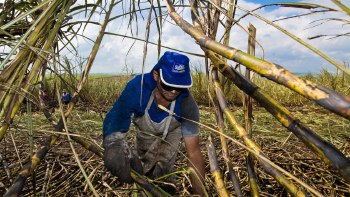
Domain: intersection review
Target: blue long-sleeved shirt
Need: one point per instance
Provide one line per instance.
(118, 118)
(66, 97)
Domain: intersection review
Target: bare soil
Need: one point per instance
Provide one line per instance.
(67, 180)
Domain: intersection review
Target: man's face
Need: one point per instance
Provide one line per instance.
(169, 93)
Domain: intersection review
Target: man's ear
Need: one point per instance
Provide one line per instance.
(155, 75)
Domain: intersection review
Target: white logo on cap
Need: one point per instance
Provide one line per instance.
(178, 68)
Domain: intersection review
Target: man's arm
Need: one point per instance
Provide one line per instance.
(118, 119)
(195, 156)
(190, 131)
(118, 157)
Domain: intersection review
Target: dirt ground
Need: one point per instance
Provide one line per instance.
(65, 178)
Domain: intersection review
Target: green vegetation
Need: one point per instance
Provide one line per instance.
(106, 91)
(96, 76)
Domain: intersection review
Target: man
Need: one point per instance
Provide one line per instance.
(165, 85)
(65, 97)
(47, 100)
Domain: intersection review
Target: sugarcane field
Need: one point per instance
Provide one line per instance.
(174, 98)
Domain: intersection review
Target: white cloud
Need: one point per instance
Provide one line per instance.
(279, 48)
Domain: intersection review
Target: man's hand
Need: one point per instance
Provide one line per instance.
(118, 158)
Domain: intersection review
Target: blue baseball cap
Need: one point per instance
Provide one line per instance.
(174, 70)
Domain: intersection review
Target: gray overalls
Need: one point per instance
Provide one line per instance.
(157, 156)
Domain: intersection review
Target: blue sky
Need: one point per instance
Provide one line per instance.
(116, 52)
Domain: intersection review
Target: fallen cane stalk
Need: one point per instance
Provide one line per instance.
(148, 186)
(234, 180)
(187, 170)
(215, 168)
(252, 177)
(252, 151)
(242, 133)
(324, 149)
(53, 132)
(6, 167)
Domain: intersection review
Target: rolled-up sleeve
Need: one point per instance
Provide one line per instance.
(189, 110)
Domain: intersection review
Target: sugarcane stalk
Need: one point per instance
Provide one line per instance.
(227, 32)
(148, 186)
(90, 61)
(279, 177)
(145, 47)
(23, 37)
(342, 6)
(12, 79)
(30, 132)
(48, 44)
(38, 63)
(212, 33)
(229, 22)
(17, 187)
(329, 59)
(18, 18)
(214, 23)
(46, 181)
(327, 98)
(7, 96)
(215, 168)
(234, 179)
(255, 152)
(248, 114)
(254, 189)
(6, 167)
(32, 39)
(28, 169)
(71, 144)
(137, 178)
(135, 188)
(7, 103)
(89, 146)
(248, 107)
(196, 23)
(6, 9)
(220, 121)
(214, 165)
(324, 149)
(30, 137)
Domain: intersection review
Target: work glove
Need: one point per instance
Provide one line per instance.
(118, 158)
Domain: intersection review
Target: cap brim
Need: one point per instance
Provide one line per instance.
(180, 82)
